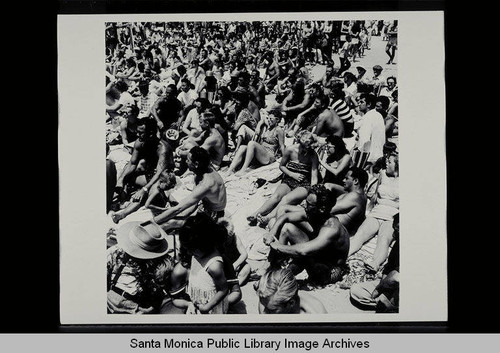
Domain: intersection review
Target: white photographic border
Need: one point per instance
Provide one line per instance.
(81, 92)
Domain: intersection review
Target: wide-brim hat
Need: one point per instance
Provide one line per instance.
(142, 240)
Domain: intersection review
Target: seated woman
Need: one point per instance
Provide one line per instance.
(279, 293)
(268, 142)
(337, 162)
(337, 165)
(299, 165)
(379, 220)
(296, 102)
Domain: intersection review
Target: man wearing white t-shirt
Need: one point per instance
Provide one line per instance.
(371, 129)
(187, 96)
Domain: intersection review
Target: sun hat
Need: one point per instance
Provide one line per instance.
(142, 240)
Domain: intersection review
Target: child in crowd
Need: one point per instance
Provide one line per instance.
(233, 250)
(207, 283)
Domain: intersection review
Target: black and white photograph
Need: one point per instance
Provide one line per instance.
(251, 167)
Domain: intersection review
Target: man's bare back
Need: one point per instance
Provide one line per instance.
(328, 124)
(215, 198)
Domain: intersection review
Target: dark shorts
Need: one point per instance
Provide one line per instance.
(215, 215)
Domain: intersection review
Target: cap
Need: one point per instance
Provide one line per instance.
(377, 67)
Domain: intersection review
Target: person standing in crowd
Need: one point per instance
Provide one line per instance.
(372, 129)
(392, 41)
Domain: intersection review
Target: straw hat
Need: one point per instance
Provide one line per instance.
(142, 240)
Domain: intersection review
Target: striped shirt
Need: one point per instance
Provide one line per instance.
(343, 111)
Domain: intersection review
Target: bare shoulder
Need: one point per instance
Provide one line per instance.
(333, 228)
(164, 146)
(332, 223)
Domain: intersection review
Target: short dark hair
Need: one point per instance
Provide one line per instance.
(324, 99)
(242, 97)
(385, 101)
(324, 197)
(350, 76)
(200, 155)
(391, 78)
(209, 117)
(121, 86)
(150, 124)
(369, 98)
(204, 102)
(389, 147)
(173, 88)
(181, 70)
(201, 232)
(245, 76)
(360, 174)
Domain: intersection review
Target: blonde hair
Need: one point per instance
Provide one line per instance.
(277, 290)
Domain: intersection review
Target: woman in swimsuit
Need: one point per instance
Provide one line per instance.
(300, 170)
(337, 162)
(268, 142)
(379, 220)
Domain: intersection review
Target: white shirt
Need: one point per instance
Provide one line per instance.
(187, 98)
(372, 129)
(194, 120)
(126, 100)
(352, 90)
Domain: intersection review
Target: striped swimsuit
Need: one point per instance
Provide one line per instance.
(345, 114)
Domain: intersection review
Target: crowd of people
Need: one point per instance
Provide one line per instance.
(218, 99)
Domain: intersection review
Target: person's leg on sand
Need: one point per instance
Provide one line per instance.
(366, 231)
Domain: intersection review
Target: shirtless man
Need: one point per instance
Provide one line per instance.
(272, 71)
(210, 140)
(208, 195)
(150, 157)
(315, 240)
(350, 207)
(321, 120)
(328, 122)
